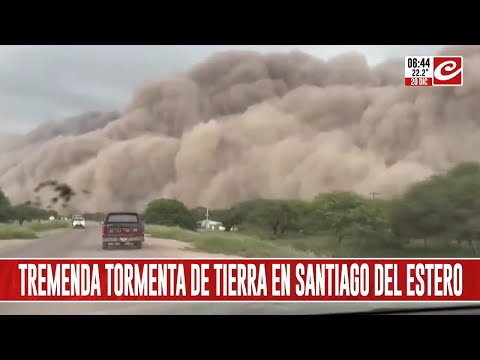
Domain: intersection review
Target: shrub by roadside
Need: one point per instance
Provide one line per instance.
(254, 245)
(29, 230)
(8, 231)
(47, 225)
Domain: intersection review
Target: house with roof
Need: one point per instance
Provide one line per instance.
(210, 225)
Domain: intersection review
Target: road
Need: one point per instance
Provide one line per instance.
(69, 243)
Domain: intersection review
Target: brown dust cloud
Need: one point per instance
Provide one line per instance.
(245, 125)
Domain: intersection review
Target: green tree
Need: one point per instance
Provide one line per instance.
(23, 213)
(464, 169)
(278, 216)
(233, 216)
(424, 211)
(349, 214)
(5, 208)
(463, 196)
(169, 212)
(198, 213)
(443, 207)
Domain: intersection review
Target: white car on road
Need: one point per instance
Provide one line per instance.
(78, 222)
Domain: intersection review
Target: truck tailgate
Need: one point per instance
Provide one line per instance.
(124, 230)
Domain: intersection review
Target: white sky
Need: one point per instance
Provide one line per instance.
(42, 83)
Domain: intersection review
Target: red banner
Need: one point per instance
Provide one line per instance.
(252, 280)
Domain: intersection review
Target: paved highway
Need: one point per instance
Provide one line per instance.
(69, 243)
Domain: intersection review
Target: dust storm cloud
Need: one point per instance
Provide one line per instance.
(244, 125)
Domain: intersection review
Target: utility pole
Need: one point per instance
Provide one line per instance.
(373, 193)
(206, 219)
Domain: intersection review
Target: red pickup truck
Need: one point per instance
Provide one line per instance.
(123, 228)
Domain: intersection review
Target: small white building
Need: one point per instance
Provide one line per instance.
(210, 225)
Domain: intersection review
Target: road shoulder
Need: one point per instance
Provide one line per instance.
(9, 244)
(177, 249)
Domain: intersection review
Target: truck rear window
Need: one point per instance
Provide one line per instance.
(122, 218)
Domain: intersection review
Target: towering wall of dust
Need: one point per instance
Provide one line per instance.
(76, 125)
(245, 125)
(7, 140)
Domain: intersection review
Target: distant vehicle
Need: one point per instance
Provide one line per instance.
(122, 228)
(78, 222)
